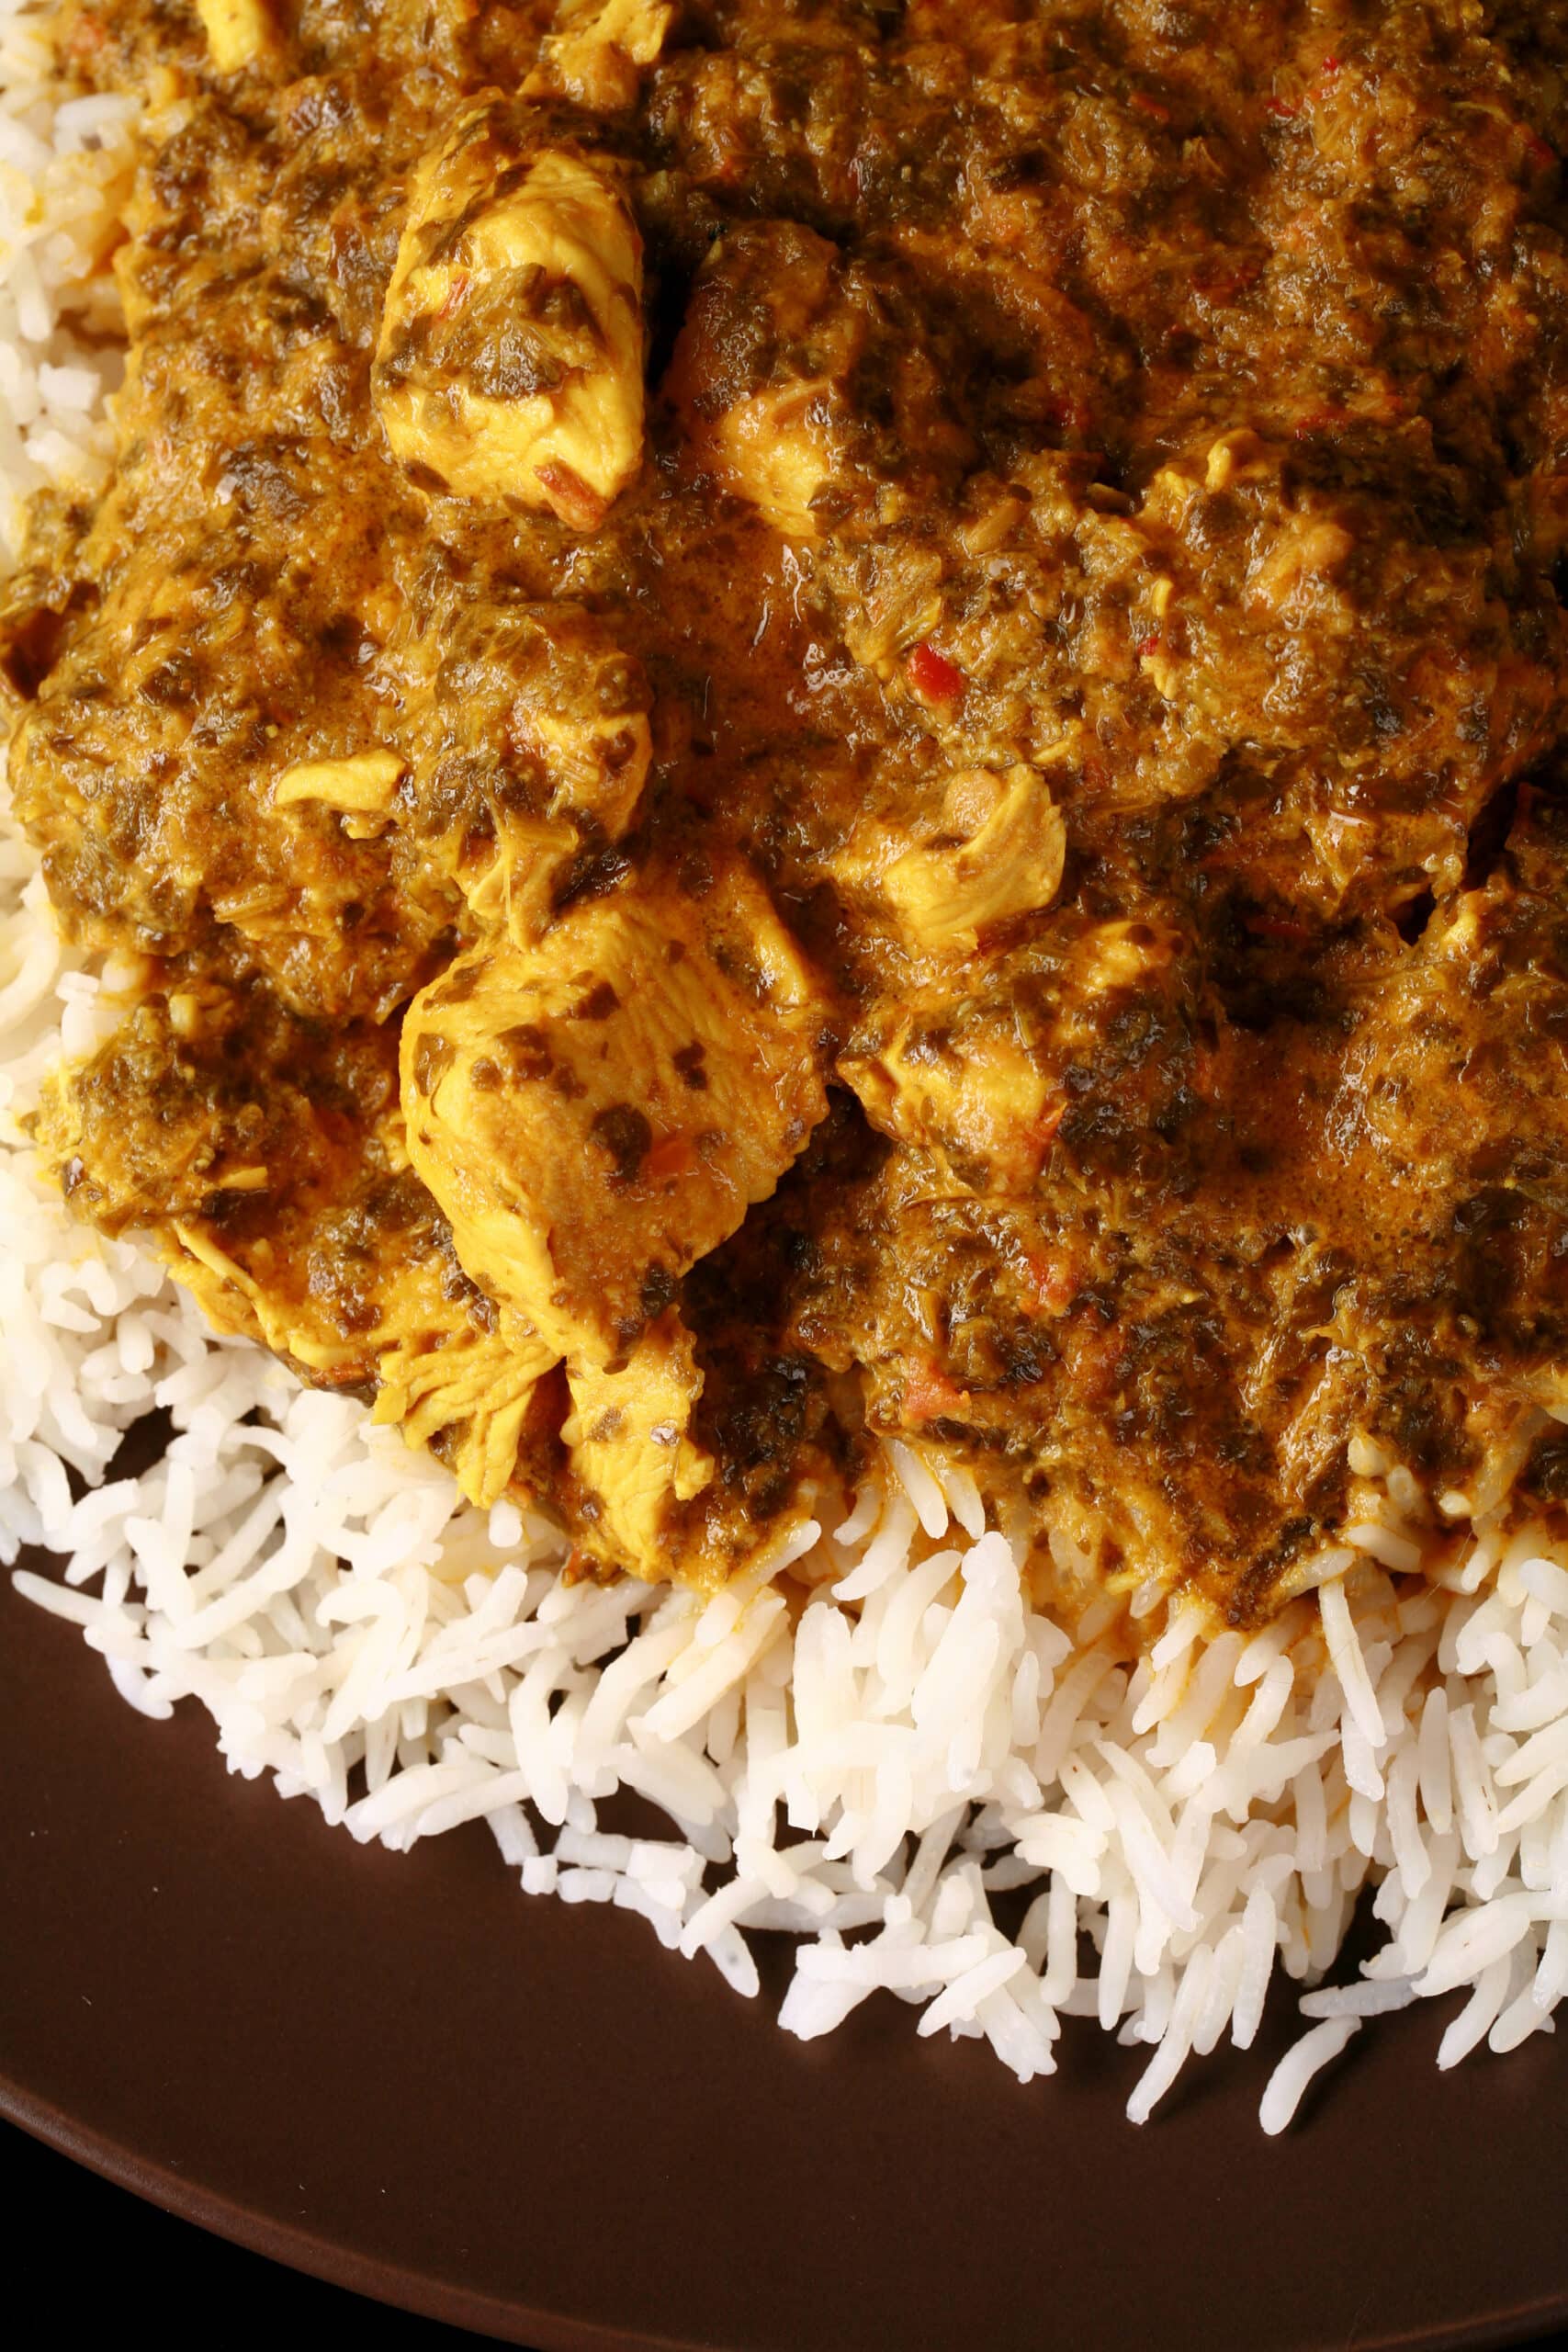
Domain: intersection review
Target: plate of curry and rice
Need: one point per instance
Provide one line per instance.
(785, 972)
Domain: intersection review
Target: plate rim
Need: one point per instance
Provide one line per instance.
(296, 2247)
(451, 2304)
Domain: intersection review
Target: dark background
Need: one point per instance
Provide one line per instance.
(49, 2200)
(107, 2244)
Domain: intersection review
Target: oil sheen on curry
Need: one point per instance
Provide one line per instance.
(805, 721)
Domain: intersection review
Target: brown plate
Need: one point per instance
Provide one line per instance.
(399, 2073)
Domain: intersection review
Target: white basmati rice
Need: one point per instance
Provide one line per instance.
(929, 1739)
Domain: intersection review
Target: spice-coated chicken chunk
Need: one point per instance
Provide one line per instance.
(509, 368)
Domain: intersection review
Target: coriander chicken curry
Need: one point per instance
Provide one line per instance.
(806, 720)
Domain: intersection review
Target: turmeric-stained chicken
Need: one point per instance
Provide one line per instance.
(807, 722)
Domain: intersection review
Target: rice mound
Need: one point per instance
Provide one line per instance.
(866, 1764)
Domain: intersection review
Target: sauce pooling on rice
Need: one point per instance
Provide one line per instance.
(819, 721)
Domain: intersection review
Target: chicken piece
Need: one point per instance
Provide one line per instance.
(239, 32)
(1459, 1078)
(1260, 593)
(761, 362)
(509, 368)
(531, 745)
(445, 1375)
(797, 388)
(891, 595)
(359, 787)
(597, 1112)
(976, 1075)
(626, 1435)
(235, 1300)
(148, 767)
(286, 1207)
(593, 54)
(276, 1186)
(361, 1288)
(955, 1080)
(447, 1368)
(998, 853)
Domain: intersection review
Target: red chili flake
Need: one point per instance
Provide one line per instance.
(1148, 644)
(928, 1392)
(1153, 108)
(456, 293)
(1319, 420)
(1329, 65)
(932, 677)
(1282, 109)
(1053, 1284)
(1043, 1130)
(1275, 927)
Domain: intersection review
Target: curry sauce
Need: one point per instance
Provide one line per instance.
(810, 721)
